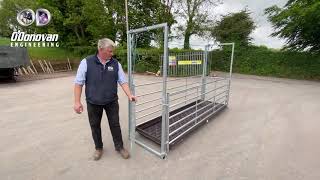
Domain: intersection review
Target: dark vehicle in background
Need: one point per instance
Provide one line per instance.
(11, 58)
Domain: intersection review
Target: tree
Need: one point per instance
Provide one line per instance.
(195, 16)
(80, 22)
(73, 20)
(8, 14)
(141, 13)
(146, 13)
(234, 27)
(298, 23)
(83, 22)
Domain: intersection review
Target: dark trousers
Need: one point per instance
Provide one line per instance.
(95, 115)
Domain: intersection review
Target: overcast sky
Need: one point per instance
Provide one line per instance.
(261, 35)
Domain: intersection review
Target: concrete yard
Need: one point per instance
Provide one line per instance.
(270, 132)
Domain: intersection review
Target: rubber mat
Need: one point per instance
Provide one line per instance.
(152, 129)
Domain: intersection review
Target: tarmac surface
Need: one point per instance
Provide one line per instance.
(269, 131)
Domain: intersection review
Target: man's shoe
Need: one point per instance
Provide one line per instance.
(97, 154)
(124, 153)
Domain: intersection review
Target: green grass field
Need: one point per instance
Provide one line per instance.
(4, 41)
(39, 53)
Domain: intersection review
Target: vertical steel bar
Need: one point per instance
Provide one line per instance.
(133, 123)
(186, 66)
(171, 70)
(167, 123)
(160, 62)
(193, 66)
(164, 91)
(170, 67)
(190, 68)
(185, 93)
(209, 62)
(214, 94)
(199, 58)
(197, 105)
(204, 74)
(230, 73)
(176, 65)
(177, 73)
(181, 67)
(185, 69)
(199, 65)
(194, 58)
(130, 86)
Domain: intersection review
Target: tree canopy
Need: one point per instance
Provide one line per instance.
(234, 27)
(298, 23)
(195, 16)
(82, 22)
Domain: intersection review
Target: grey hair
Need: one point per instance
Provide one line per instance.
(106, 43)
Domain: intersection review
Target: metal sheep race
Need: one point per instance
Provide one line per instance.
(184, 96)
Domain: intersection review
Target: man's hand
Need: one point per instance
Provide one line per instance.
(126, 89)
(78, 108)
(133, 98)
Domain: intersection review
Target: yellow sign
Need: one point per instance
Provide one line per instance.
(189, 62)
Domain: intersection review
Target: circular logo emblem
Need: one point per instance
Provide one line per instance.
(43, 17)
(26, 17)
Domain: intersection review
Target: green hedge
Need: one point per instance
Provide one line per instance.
(247, 60)
(266, 62)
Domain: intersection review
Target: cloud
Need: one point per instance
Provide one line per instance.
(261, 35)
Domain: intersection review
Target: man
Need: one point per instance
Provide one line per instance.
(100, 74)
